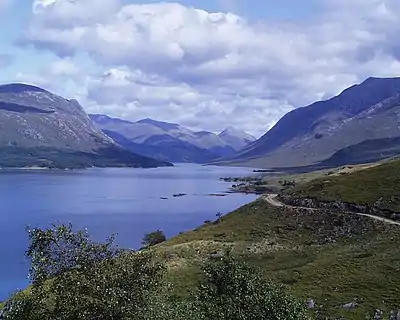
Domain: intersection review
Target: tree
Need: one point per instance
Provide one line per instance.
(74, 278)
(153, 238)
(233, 290)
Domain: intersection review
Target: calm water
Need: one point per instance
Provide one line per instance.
(106, 201)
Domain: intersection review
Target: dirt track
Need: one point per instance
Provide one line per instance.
(273, 201)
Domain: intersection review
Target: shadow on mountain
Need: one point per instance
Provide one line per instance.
(46, 157)
(14, 107)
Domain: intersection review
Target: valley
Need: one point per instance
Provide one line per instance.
(325, 229)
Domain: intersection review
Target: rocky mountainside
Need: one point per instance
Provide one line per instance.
(172, 142)
(39, 128)
(235, 138)
(309, 135)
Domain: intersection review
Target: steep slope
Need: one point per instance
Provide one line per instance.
(167, 141)
(365, 152)
(38, 128)
(312, 134)
(375, 187)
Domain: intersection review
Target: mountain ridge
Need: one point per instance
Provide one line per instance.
(170, 141)
(40, 128)
(311, 134)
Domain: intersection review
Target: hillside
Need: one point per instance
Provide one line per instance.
(330, 257)
(309, 135)
(172, 142)
(373, 187)
(367, 151)
(39, 128)
(235, 138)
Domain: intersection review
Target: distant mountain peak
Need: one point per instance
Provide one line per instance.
(147, 120)
(19, 88)
(231, 131)
(159, 124)
(103, 119)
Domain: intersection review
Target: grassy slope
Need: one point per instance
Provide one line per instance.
(332, 258)
(362, 187)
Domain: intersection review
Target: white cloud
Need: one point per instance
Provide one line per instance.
(64, 67)
(183, 64)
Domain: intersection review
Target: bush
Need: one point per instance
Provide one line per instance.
(153, 238)
(232, 290)
(75, 278)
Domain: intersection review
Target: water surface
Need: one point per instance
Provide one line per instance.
(106, 201)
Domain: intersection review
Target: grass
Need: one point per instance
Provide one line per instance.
(331, 257)
(379, 183)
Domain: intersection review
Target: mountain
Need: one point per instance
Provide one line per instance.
(171, 142)
(365, 152)
(39, 128)
(309, 135)
(235, 138)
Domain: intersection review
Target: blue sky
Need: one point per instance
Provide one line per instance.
(204, 64)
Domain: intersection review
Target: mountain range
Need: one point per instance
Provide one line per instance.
(172, 142)
(361, 124)
(39, 128)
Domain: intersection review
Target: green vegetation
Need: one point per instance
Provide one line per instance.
(153, 238)
(332, 258)
(74, 278)
(232, 290)
(377, 186)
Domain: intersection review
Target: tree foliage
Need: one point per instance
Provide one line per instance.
(153, 238)
(74, 278)
(233, 290)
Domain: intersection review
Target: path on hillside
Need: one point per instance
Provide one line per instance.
(273, 201)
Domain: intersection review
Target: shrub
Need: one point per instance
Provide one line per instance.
(153, 238)
(233, 290)
(75, 278)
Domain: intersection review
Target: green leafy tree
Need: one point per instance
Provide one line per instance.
(233, 290)
(153, 238)
(74, 278)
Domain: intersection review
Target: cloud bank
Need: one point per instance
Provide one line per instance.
(212, 69)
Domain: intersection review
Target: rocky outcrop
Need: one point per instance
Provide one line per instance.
(338, 205)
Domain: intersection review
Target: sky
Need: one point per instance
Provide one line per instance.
(205, 64)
